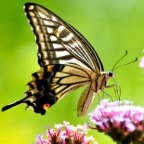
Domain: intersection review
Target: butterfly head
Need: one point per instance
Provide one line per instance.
(108, 75)
(104, 78)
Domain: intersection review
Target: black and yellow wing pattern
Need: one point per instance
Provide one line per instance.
(67, 61)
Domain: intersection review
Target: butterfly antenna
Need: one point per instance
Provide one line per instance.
(125, 64)
(126, 52)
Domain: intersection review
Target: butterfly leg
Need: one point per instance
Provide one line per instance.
(99, 98)
(107, 94)
(117, 90)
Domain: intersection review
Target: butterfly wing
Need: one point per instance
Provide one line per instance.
(61, 46)
(58, 42)
(85, 101)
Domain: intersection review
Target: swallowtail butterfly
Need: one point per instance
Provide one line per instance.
(67, 61)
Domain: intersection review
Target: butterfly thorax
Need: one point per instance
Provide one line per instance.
(101, 80)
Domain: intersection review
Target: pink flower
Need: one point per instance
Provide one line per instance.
(66, 134)
(120, 120)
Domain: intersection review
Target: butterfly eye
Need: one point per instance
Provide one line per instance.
(46, 106)
(110, 74)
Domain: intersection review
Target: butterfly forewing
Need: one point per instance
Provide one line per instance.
(58, 42)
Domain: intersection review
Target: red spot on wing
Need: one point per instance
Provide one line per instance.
(46, 106)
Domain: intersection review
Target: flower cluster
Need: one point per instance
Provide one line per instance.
(120, 120)
(66, 134)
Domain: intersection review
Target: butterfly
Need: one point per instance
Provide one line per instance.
(67, 61)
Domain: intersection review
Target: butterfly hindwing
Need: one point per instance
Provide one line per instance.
(51, 83)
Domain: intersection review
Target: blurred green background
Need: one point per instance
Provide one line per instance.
(111, 26)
